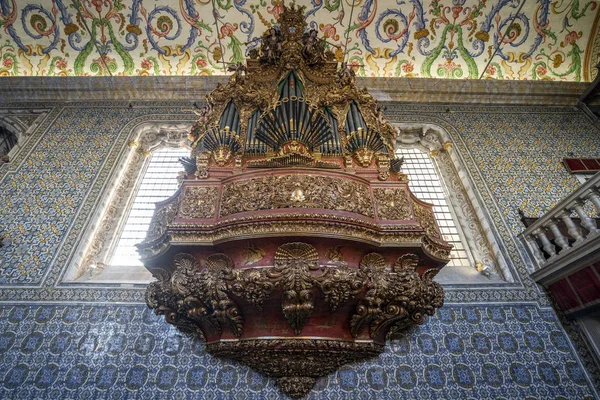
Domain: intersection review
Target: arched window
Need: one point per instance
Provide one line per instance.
(425, 183)
(436, 176)
(159, 182)
(149, 172)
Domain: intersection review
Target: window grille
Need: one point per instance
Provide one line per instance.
(158, 183)
(425, 183)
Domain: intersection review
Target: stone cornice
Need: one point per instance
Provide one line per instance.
(193, 88)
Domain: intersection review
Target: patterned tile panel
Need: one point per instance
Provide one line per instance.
(109, 351)
(519, 153)
(443, 39)
(41, 198)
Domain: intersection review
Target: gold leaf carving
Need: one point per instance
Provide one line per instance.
(293, 264)
(272, 192)
(392, 203)
(199, 202)
(389, 299)
(162, 217)
(397, 298)
(340, 284)
(426, 218)
(334, 254)
(295, 364)
(252, 254)
(193, 294)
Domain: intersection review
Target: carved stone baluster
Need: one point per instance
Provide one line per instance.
(535, 249)
(594, 197)
(573, 230)
(559, 238)
(546, 245)
(587, 222)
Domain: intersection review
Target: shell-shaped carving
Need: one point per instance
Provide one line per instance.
(406, 261)
(296, 252)
(293, 263)
(373, 262)
(219, 261)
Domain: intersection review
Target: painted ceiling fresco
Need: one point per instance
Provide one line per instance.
(472, 39)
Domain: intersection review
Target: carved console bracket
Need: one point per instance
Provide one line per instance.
(224, 304)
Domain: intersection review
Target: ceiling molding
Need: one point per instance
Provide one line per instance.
(499, 39)
(73, 89)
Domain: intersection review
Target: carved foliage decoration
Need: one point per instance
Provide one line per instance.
(199, 291)
(295, 364)
(426, 218)
(163, 216)
(199, 202)
(398, 297)
(197, 296)
(272, 192)
(293, 265)
(392, 203)
(196, 293)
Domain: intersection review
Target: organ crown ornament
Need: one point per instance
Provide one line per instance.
(294, 244)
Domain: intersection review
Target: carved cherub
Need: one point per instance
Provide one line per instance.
(239, 71)
(202, 113)
(379, 115)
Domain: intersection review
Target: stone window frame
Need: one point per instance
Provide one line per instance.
(21, 123)
(471, 219)
(95, 247)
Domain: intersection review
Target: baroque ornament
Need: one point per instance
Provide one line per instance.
(294, 244)
(200, 296)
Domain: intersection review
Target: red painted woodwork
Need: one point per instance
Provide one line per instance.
(564, 295)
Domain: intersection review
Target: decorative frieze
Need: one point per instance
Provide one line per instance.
(296, 191)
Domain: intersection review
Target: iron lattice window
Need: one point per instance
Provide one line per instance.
(425, 183)
(158, 183)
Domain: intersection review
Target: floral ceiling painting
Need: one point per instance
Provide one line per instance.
(458, 39)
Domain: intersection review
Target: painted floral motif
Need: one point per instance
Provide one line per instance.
(493, 39)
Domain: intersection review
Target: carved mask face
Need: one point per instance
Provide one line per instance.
(222, 155)
(364, 156)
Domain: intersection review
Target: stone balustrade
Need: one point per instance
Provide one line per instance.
(566, 234)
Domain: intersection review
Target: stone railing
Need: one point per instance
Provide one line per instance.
(566, 233)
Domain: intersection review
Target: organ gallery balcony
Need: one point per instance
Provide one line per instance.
(294, 244)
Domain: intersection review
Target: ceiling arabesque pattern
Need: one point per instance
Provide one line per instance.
(499, 39)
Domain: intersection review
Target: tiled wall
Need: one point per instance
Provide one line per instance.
(115, 351)
(495, 341)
